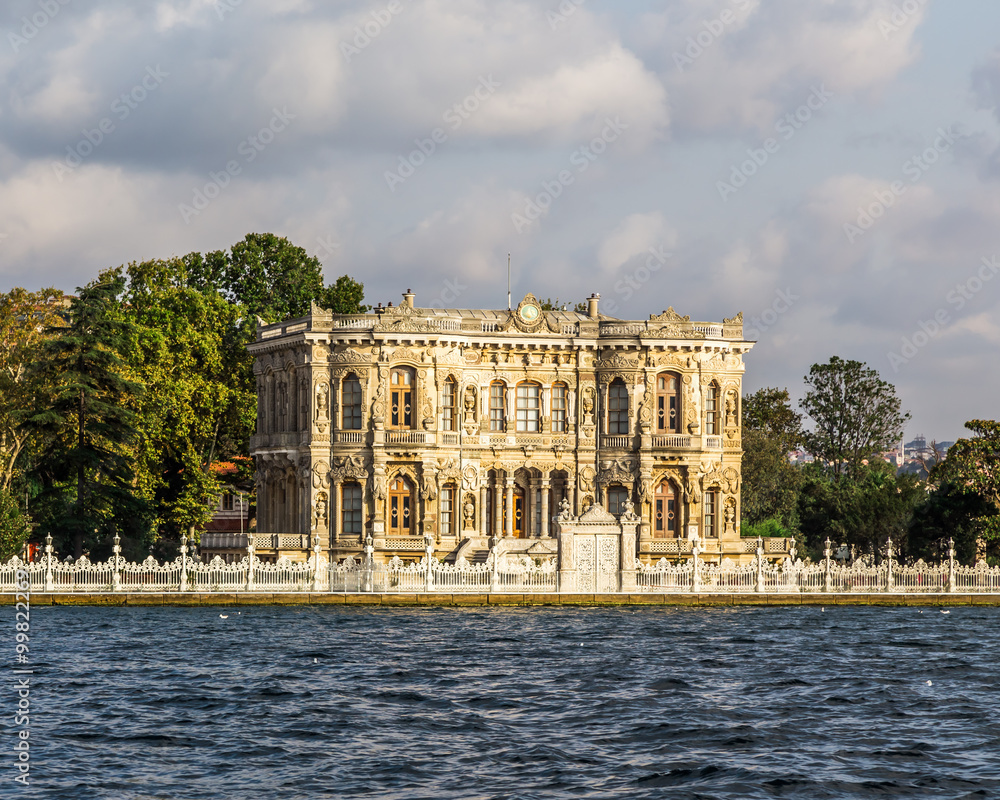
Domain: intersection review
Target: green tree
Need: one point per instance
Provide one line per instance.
(344, 296)
(949, 512)
(271, 277)
(548, 304)
(89, 421)
(769, 493)
(973, 464)
(13, 526)
(861, 510)
(188, 348)
(25, 319)
(855, 414)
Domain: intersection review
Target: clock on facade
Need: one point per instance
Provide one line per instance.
(529, 312)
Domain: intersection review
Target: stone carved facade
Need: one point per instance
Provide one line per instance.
(475, 427)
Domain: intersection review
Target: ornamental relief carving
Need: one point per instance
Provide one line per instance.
(349, 468)
(621, 471)
(348, 357)
(617, 361)
(669, 316)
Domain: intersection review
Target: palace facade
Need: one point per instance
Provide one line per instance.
(472, 427)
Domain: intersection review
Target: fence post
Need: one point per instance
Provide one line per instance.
(369, 565)
(494, 578)
(250, 557)
(888, 565)
(184, 566)
(49, 587)
(695, 572)
(116, 581)
(760, 565)
(827, 578)
(315, 581)
(429, 548)
(951, 565)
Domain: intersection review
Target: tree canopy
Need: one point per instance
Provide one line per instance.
(855, 414)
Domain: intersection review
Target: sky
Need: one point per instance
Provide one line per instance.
(830, 168)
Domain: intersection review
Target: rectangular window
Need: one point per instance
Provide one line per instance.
(617, 409)
(559, 408)
(351, 508)
(351, 403)
(617, 495)
(527, 408)
(447, 511)
(448, 406)
(497, 412)
(711, 410)
(711, 514)
(227, 502)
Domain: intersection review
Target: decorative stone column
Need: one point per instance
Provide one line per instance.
(509, 528)
(544, 532)
(629, 522)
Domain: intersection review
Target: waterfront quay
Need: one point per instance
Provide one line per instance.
(437, 599)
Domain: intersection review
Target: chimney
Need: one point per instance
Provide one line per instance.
(592, 302)
(408, 298)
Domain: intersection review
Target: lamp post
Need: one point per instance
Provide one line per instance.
(250, 560)
(369, 562)
(429, 548)
(48, 563)
(951, 565)
(116, 559)
(184, 567)
(316, 548)
(695, 571)
(827, 578)
(760, 564)
(888, 564)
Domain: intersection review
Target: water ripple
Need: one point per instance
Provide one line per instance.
(481, 703)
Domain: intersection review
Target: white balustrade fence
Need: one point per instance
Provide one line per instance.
(503, 573)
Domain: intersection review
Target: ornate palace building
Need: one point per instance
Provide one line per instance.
(472, 426)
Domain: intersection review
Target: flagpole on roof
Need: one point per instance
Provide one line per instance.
(508, 281)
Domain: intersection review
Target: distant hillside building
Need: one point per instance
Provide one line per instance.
(471, 426)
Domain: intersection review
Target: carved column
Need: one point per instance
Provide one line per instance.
(509, 531)
(481, 511)
(544, 532)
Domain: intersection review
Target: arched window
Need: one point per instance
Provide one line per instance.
(449, 398)
(447, 509)
(528, 407)
(617, 407)
(712, 514)
(559, 408)
(350, 403)
(668, 403)
(712, 410)
(498, 400)
(401, 398)
(665, 511)
(617, 495)
(350, 509)
(401, 507)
